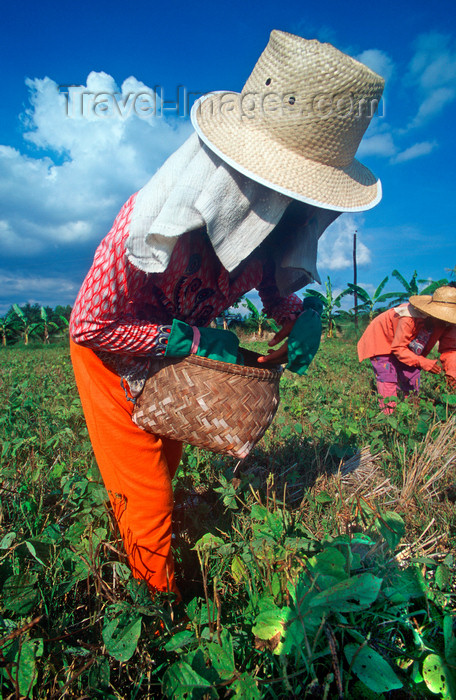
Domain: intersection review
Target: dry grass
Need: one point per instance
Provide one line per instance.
(427, 544)
(362, 475)
(425, 479)
(433, 465)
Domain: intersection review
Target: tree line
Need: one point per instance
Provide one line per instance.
(365, 305)
(43, 323)
(34, 322)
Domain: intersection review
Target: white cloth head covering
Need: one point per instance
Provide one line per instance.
(195, 188)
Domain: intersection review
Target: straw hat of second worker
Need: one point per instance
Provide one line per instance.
(441, 304)
(297, 123)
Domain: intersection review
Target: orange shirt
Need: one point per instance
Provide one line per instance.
(390, 333)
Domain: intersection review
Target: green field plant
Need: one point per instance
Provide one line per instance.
(321, 566)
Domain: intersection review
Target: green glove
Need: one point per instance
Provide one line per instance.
(214, 343)
(304, 339)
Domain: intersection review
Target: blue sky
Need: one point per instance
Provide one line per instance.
(65, 174)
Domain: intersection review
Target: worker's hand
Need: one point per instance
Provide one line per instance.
(435, 369)
(451, 382)
(280, 356)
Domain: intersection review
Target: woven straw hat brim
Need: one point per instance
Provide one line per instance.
(255, 152)
(443, 310)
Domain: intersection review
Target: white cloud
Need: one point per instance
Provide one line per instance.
(39, 289)
(86, 162)
(335, 249)
(415, 151)
(34, 283)
(377, 61)
(377, 145)
(434, 104)
(433, 71)
(434, 62)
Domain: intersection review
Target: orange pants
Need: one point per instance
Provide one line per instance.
(137, 469)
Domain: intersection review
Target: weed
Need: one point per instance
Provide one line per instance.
(321, 566)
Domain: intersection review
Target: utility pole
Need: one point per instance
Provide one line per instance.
(355, 279)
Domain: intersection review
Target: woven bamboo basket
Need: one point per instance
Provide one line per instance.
(219, 406)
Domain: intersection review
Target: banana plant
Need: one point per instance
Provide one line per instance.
(411, 288)
(64, 327)
(330, 304)
(47, 325)
(368, 302)
(259, 317)
(27, 328)
(5, 328)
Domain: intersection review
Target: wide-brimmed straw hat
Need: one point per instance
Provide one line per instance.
(441, 304)
(297, 123)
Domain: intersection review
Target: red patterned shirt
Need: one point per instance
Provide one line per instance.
(123, 310)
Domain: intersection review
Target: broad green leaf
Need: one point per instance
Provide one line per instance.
(76, 651)
(276, 583)
(30, 651)
(99, 675)
(121, 635)
(44, 551)
(122, 571)
(269, 622)
(208, 612)
(266, 602)
(208, 542)
(355, 593)
(422, 426)
(75, 533)
(19, 593)
(140, 595)
(327, 569)
(438, 676)
(301, 628)
(6, 625)
(404, 585)
(275, 524)
(300, 590)
(391, 527)
(179, 640)
(32, 550)
(450, 640)
(358, 538)
(193, 609)
(239, 570)
(329, 562)
(415, 674)
(81, 569)
(198, 661)
(180, 681)
(258, 512)
(245, 688)
(443, 577)
(7, 540)
(371, 668)
(303, 545)
(222, 657)
(356, 635)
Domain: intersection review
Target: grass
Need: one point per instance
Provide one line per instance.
(336, 497)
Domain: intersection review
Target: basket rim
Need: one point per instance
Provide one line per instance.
(271, 373)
